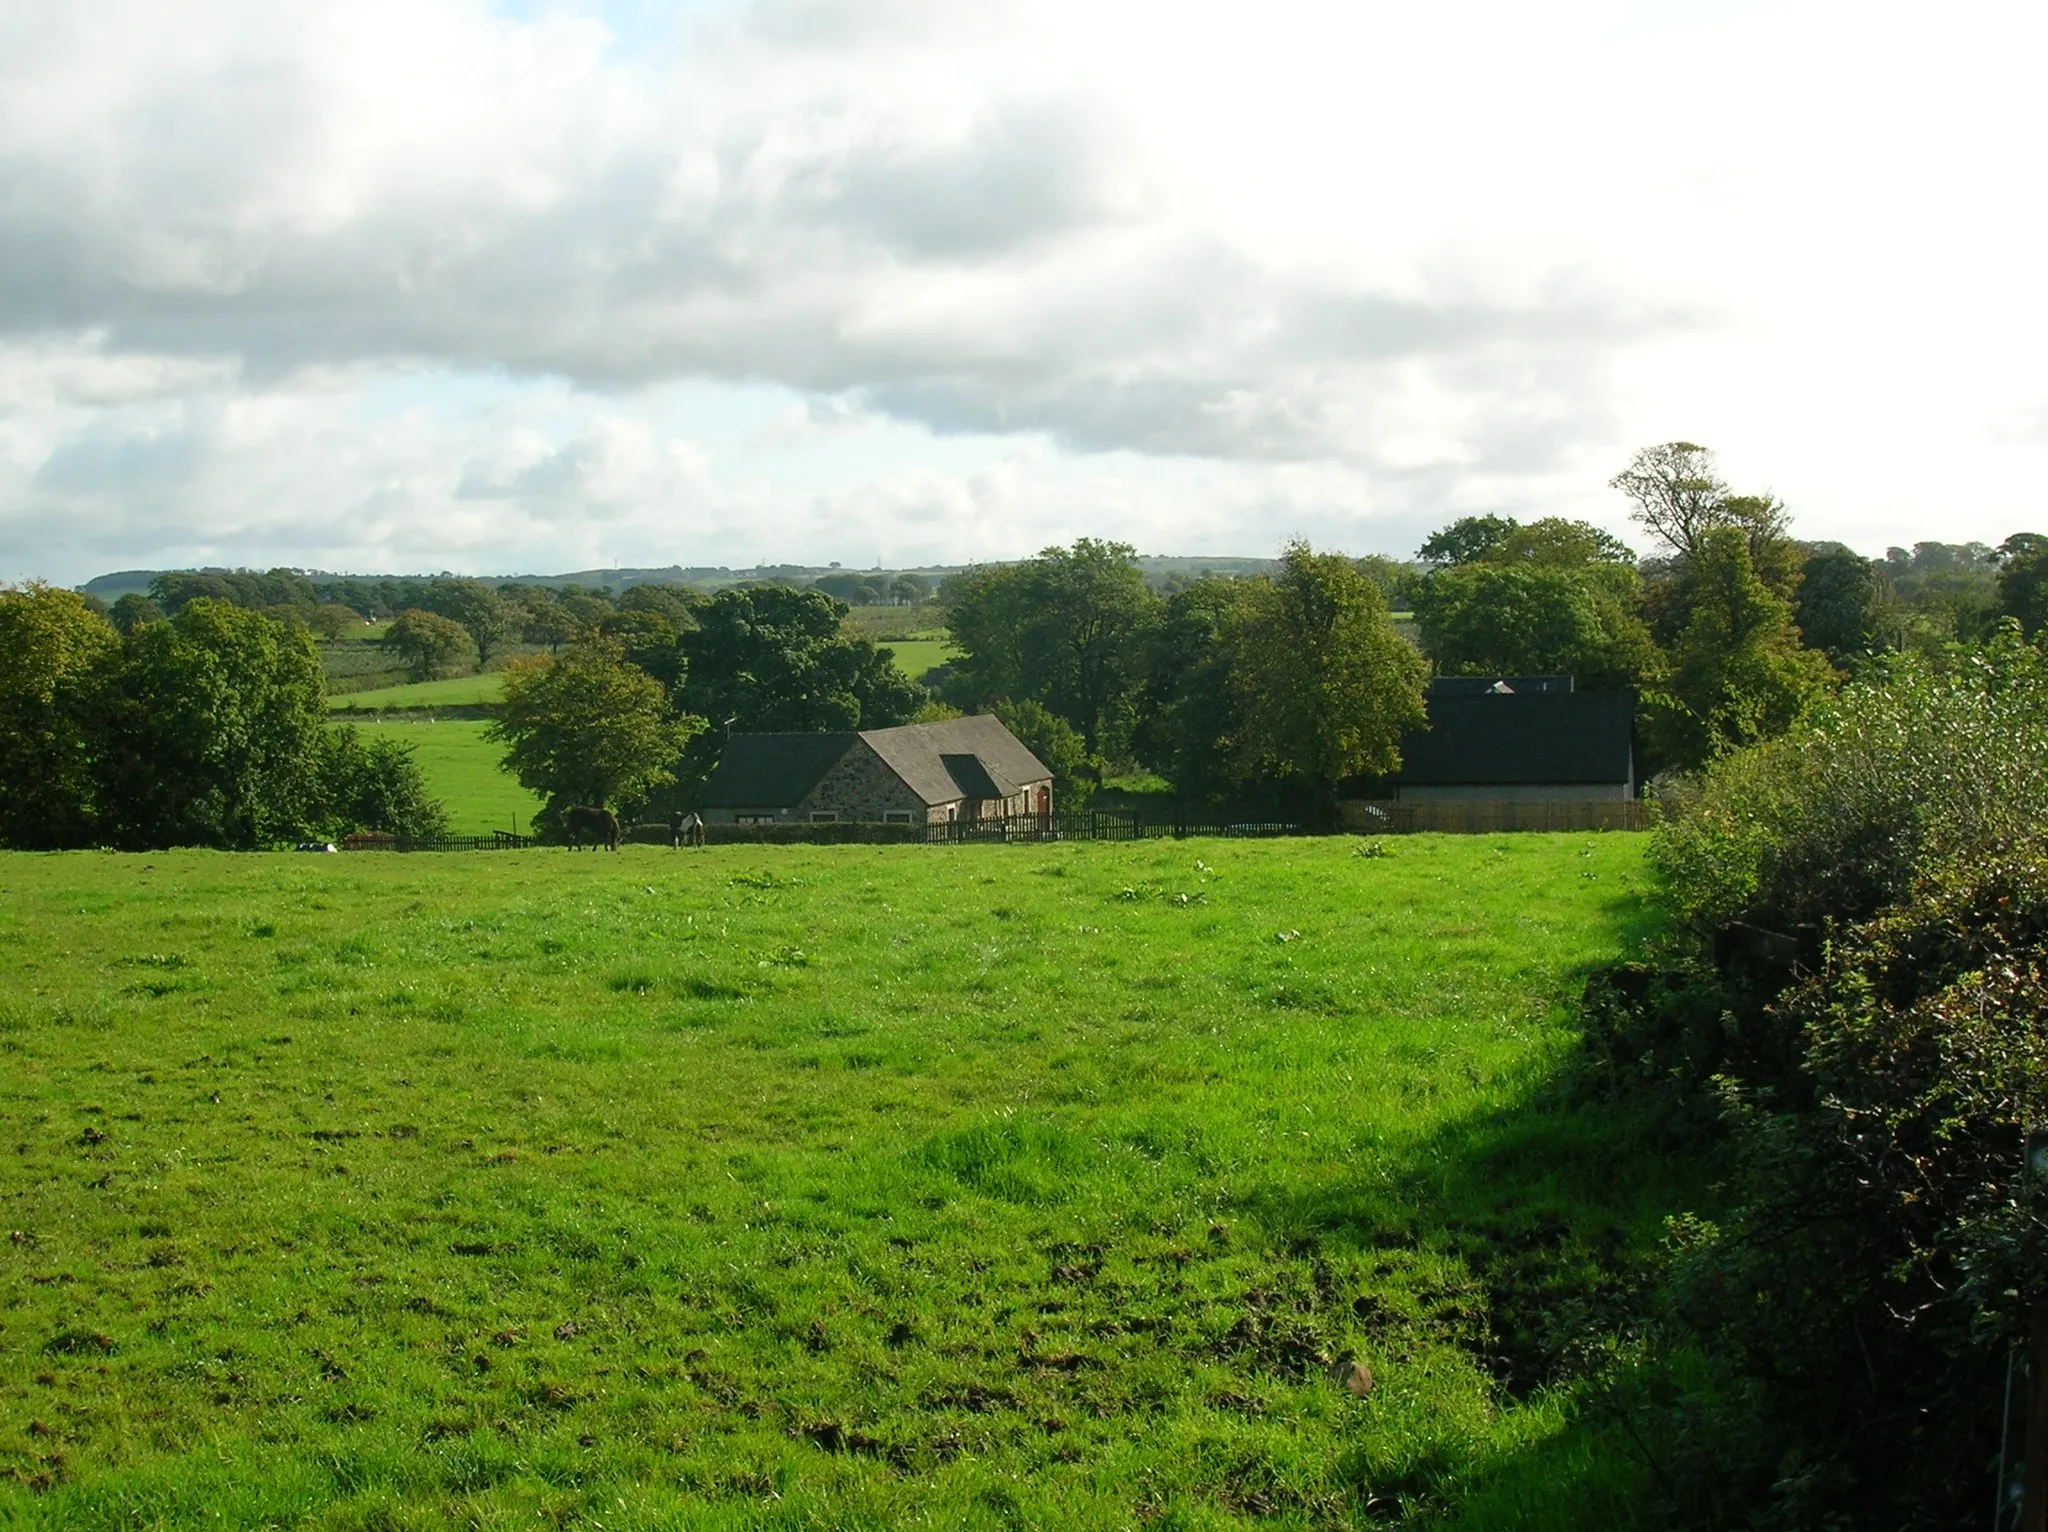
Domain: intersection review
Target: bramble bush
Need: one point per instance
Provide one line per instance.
(1854, 991)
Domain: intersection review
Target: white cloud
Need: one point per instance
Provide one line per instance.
(1371, 265)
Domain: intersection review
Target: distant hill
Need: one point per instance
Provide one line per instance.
(1157, 568)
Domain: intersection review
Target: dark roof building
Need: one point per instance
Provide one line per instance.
(964, 768)
(1519, 739)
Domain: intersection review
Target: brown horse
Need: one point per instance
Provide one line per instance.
(599, 826)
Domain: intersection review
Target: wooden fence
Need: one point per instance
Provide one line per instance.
(497, 840)
(1357, 816)
(1392, 816)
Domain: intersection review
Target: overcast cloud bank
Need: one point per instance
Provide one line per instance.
(408, 285)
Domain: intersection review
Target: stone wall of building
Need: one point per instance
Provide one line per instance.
(862, 787)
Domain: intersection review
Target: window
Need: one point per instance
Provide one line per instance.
(824, 816)
(896, 816)
(753, 819)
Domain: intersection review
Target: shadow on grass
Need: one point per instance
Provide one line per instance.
(1531, 1235)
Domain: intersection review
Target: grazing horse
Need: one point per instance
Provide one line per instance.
(690, 830)
(599, 826)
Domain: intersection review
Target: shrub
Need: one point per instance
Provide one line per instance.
(378, 786)
(1881, 1252)
(1854, 989)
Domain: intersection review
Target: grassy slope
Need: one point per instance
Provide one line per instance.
(915, 656)
(454, 692)
(778, 1187)
(461, 768)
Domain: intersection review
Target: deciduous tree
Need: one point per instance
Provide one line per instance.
(487, 617)
(1738, 671)
(429, 643)
(1325, 685)
(2023, 580)
(586, 726)
(771, 658)
(57, 657)
(1066, 629)
(1490, 619)
(214, 733)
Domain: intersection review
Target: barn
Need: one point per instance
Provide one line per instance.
(930, 773)
(1518, 739)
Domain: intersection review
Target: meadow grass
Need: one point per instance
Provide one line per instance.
(915, 656)
(992, 1186)
(455, 691)
(461, 769)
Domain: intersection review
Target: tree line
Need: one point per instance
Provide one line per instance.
(208, 728)
(1272, 692)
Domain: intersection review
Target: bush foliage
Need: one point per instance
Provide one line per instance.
(1855, 993)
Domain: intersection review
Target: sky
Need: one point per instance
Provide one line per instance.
(414, 285)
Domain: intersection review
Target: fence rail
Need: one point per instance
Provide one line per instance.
(497, 840)
(1357, 816)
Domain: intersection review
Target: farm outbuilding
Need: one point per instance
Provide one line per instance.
(1518, 739)
(931, 773)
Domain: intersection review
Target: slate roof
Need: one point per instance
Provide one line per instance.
(918, 753)
(1476, 686)
(772, 771)
(940, 762)
(1502, 739)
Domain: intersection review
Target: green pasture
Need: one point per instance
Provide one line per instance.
(1055, 1186)
(915, 656)
(456, 691)
(461, 768)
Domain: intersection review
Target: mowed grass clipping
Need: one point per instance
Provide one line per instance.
(461, 769)
(835, 1186)
(456, 691)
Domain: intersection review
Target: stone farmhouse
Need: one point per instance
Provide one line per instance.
(930, 773)
(1518, 739)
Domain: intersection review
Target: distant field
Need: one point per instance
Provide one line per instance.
(915, 656)
(455, 692)
(1054, 1186)
(461, 768)
(880, 623)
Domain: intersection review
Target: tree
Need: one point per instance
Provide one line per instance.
(132, 611)
(772, 658)
(2023, 580)
(674, 604)
(429, 643)
(1325, 684)
(1486, 619)
(647, 637)
(1837, 605)
(214, 732)
(1189, 722)
(1466, 540)
(910, 589)
(487, 617)
(57, 657)
(550, 622)
(1054, 741)
(1680, 497)
(376, 786)
(1738, 672)
(1066, 629)
(1678, 493)
(587, 727)
(1556, 543)
(333, 620)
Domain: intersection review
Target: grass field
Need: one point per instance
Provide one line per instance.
(915, 656)
(808, 1187)
(461, 768)
(456, 691)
